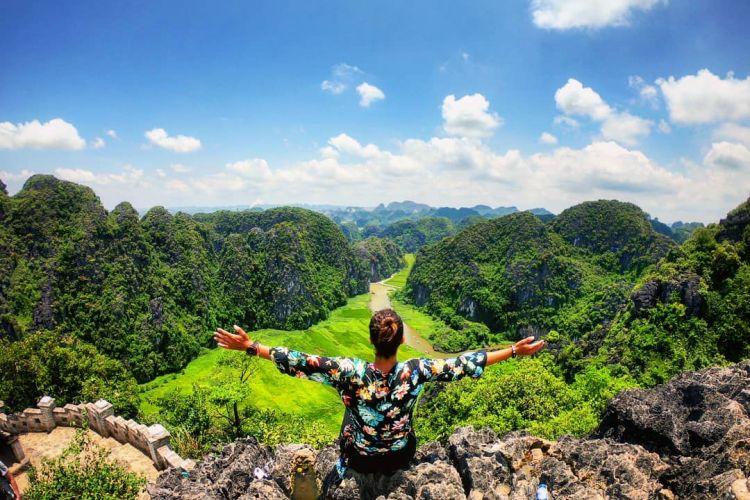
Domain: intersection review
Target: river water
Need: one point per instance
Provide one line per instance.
(379, 299)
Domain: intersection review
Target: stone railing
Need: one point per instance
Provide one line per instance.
(152, 441)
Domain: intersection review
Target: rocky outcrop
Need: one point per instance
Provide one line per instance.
(699, 422)
(685, 286)
(689, 438)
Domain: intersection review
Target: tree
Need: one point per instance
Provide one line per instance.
(232, 390)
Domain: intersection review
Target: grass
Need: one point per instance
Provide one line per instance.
(344, 333)
(399, 279)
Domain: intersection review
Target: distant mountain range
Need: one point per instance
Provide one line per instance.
(407, 207)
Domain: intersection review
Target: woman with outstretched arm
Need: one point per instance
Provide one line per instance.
(376, 434)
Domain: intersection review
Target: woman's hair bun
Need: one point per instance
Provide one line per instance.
(386, 331)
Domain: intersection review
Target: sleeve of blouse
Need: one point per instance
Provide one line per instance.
(470, 364)
(306, 366)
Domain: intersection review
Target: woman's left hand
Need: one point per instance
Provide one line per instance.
(239, 341)
(527, 347)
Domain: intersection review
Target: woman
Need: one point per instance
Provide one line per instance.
(376, 435)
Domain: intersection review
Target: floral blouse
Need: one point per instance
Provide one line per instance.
(380, 403)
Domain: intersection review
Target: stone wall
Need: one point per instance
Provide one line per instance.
(152, 441)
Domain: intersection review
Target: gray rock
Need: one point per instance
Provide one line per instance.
(438, 480)
(685, 286)
(476, 455)
(225, 475)
(689, 438)
(698, 423)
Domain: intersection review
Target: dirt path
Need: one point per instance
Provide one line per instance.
(39, 445)
(379, 299)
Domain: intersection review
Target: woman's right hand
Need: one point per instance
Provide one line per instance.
(239, 341)
(526, 347)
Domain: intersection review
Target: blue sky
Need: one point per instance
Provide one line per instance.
(527, 103)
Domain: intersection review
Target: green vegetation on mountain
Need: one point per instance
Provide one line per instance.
(415, 225)
(691, 311)
(617, 236)
(47, 362)
(523, 394)
(146, 293)
(681, 231)
(380, 257)
(520, 276)
(412, 235)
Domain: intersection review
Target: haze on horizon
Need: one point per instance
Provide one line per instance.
(542, 103)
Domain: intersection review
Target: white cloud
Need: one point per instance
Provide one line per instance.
(369, 94)
(626, 128)
(112, 133)
(706, 98)
(98, 143)
(469, 116)
(333, 87)
(255, 168)
(575, 99)
(329, 152)
(465, 56)
(54, 134)
(647, 93)
(452, 171)
(547, 138)
(566, 121)
(602, 167)
(15, 176)
(246, 175)
(729, 156)
(178, 144)
(178, 185)
(567, 14)
(217, 184)
(129, 175)
(457, 170)
(734, 132)
(180, 168)
(342, 143)
(342, 75)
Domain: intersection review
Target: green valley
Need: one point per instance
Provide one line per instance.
(344, 333)
(99, 304)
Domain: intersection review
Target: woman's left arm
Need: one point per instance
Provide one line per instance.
(524, 347)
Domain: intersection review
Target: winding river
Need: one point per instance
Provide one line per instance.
(379, 299)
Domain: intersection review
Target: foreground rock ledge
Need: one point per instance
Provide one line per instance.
(689, 438)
